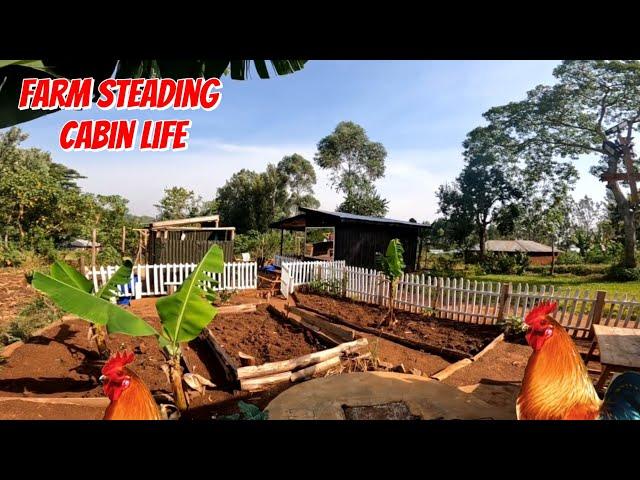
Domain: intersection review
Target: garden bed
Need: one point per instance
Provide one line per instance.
(263, 348)
(448, 338)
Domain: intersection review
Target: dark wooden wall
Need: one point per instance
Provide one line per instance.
(190, 250)
(358, 244)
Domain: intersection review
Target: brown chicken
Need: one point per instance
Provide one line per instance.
(556, 384)
(130, 397)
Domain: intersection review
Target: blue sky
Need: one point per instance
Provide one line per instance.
(420, 110)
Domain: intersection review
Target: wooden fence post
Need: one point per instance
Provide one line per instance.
(504, 301)
(598, 306)
(381, 283)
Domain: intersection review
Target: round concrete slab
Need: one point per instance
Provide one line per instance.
(329, 398)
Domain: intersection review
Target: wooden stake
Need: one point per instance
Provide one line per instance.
(309, 372)
(93, 247)
(124, 238)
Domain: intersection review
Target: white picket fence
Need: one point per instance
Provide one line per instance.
(153, 280)
(469, 301)
(278, 259)
(294, 273)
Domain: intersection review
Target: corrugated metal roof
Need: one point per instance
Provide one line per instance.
(185, 221)
(528, 246)
(362, 218)
(81, 243)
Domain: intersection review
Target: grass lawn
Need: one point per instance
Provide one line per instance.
(586, 282)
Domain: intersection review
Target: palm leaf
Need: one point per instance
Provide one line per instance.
(121, 277)
(185, 313)
(92, 308)
(69, 275)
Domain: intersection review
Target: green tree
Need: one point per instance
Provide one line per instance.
(178, 202)
(593, 103)
(42, 205)
(487, 184)
(364, 201)
(301, 177)
(355, 163)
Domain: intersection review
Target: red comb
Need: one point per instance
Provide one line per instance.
(539, 311)
(118, 361)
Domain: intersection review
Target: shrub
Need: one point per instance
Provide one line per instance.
(444, 265)
(514, 328)
(624, 274)
(505, 263)
(579, 270)
(37, 314)
(569, 258)
(321, 287)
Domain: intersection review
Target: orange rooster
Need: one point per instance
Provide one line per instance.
(130, 397)
(556, 385)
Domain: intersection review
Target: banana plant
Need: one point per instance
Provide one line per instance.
(392, 266)
(183, 314)
(65, 285)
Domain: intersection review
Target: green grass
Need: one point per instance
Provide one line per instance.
(586, 282)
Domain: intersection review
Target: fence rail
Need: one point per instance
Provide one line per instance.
(470, 301)
(153, 280)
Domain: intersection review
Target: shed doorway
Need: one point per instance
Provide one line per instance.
(319, 243)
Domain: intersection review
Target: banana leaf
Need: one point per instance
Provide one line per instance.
(13, 71)
(186, 312)
(92, 308)
(392, 263)
(121, 277)
(69, 275)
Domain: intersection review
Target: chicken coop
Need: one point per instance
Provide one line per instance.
(184, 240)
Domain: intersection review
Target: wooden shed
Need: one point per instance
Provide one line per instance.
(353, 238)
(187, 240)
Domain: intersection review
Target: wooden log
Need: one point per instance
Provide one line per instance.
(260, 383)
(246, 360)
(244, 308)
(295, 363)
(228, 365)
(310, 371)
(346, 335)
(80, 401)
(444, 352)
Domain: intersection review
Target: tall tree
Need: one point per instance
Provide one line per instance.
(487, 184)
(355, 163)
(178, 202)
(364, 201)
(41, 203)
(586, 216)
(301, 177)
(578, 117)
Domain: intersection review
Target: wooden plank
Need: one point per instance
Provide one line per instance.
(324, 324)
(261, 383)
(618, 346)
(228, 365)
(310, 371)
(451, 369)
(314, 330)
(489, 347)
(243, 308)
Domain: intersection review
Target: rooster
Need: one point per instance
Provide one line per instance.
(130, 397)
(556, 384)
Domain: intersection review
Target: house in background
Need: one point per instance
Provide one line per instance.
(538, 253)
(184, 240)
(353, 238)
(82, 244)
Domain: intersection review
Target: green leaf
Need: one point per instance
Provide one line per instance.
(392, 263)
(185, 313)
(121, 277)
(69, 275)
(251, 412)
(89, 307)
